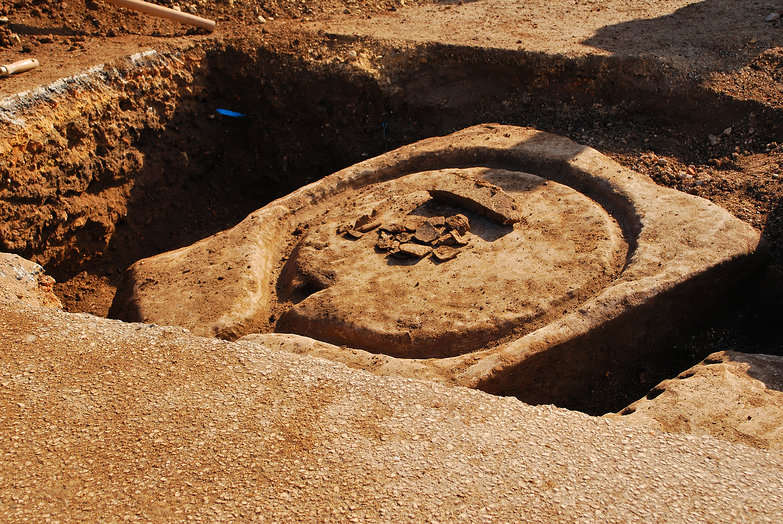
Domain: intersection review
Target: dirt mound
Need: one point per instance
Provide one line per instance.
(555, 301)
(729, 395)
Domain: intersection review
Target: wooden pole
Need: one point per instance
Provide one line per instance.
(18, 67)
(165, 12)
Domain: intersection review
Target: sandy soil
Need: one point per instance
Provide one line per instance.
(128, 451)
(99, 426)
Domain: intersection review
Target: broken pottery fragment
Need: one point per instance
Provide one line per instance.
(458, 223)
(426, 233)
(437, 221)
(480, 197)
(444, 253)
(415, 250)
(385, 241)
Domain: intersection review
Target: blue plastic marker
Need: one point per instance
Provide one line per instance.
(232, 114)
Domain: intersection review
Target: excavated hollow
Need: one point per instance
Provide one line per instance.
(131, 159)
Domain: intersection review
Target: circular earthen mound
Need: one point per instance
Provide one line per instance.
(342, 288)
(535, 294)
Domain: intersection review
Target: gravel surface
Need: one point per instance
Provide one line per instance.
(105, 420)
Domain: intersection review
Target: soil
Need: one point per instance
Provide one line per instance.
(506, 280)
(732, 157)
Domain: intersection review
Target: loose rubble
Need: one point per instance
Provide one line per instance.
(414, 237)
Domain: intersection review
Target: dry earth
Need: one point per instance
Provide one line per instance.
(104, 420)
(732, 395)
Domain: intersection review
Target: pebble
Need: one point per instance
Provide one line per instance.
(714, 140)
(772, 17)
(351, 55)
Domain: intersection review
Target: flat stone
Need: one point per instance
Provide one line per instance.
(729, 395)
(478, 196)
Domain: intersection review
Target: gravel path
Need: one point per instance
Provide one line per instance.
(101, 420)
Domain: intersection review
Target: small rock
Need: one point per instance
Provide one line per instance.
(261, 19)
(727, 131)
(3, 20)
(714, 140)
(354, 234)
(351, 55)
(415, 250)
(772, 17)
(444, 253)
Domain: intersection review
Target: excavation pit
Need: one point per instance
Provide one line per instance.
(132, 160)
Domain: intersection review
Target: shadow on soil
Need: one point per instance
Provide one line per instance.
(696, 28)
